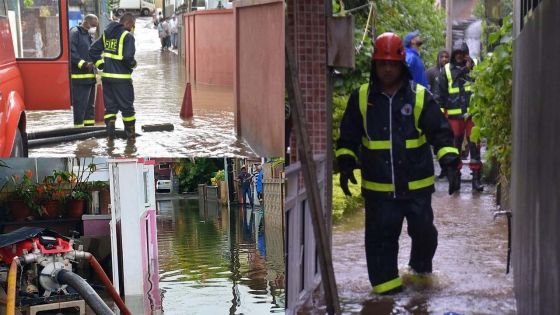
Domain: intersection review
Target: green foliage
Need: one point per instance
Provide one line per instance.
(343, 204)
(28, 3)
(398, 16)
(196, 171)
(492, 99)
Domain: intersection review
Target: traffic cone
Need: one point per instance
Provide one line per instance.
(186, 108)
(99, 105)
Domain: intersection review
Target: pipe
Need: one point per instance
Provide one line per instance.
(108, 285)
(93, 134)
(11, 297)
(91, 297)
(158, 127)
(61, 132)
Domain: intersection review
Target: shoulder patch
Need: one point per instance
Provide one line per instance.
(406, 110)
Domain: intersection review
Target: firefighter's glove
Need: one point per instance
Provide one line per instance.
(346, 164)
(452, 163)
(88, 66)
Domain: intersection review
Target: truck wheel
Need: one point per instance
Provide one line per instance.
(120, 12)
(145, 12)
(17, 148)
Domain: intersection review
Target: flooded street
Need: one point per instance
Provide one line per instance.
(469, 264)
(159, 85)
(218, 261)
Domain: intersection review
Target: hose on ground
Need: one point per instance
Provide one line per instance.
(11, 294)
(91, 297)
(32, 135)
(108, 285)
(94, 134)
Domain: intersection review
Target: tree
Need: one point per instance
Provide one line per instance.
(196, 171)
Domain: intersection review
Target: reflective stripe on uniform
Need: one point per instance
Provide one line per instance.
(129, 118)
(388, 187)
(78, 125)
(107, 116)
(445, 150)
(83, 76)
(386, 144)
(387, 286)
(81, 63)
(119, 55)
(362, 100)
(99, 62)
(450, 88)
(475, 134)
(418, 106)
(455, 111)
(345, 151)
(116, 75)
(89, 122)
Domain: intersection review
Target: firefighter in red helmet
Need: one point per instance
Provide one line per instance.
(386, 131)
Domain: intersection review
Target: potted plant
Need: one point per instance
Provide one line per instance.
(79, 195)
(76, 203)
(49, 195)
(20, 197)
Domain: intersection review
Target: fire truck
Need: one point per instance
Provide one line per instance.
(34, 66)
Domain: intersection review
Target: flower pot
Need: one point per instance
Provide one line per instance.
(51, 209)
(19, 210)
(75, 208)
(104, 199)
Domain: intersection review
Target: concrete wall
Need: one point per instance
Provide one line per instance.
(209, 45)
(259, 74)
(536, 147)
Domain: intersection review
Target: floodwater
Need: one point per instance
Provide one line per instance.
(469, 266)
(159, 86)
(218, 260)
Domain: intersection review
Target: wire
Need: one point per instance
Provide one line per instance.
(361, 45)
(343, 12)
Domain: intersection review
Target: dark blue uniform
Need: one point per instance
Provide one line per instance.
(83, 81)
(114, 53)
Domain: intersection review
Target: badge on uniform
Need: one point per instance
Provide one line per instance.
(406, 110)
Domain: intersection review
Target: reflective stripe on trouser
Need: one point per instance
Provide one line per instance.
(462, 128)
(384, 219)
(83, 96)
(118, 97)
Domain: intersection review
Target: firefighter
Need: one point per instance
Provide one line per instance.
(114, 53)
(387, 129)
(83, 76)
(453, 92)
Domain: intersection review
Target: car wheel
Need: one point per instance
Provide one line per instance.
(120, 12)
(18, 148)
(145, 12)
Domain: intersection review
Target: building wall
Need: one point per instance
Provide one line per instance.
(209, 40)
(259, 74)
(535, 173)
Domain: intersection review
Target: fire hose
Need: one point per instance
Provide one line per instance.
(11, 294)
(91, 297)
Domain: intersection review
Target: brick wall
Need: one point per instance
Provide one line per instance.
(307, 33)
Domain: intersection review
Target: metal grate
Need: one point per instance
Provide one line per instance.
(527, 8)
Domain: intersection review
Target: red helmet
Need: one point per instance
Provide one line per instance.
(388, 46)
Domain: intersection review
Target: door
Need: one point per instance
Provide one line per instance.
(40, 38)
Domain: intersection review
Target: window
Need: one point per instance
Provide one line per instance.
(36, 28)
(3, 8)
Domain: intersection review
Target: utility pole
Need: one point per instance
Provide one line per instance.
(449, 32)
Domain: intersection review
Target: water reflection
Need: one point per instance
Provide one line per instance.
(213, 260)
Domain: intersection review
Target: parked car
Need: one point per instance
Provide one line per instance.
(163, 185)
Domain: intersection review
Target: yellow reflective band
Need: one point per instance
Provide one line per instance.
(116, 75)
(83, 76)
(99, 62)
(81, 63)
(109, 116)
(344, 151)
(387, 286)
(131, 118)
(382, 187)
(415, 143)
(423, 183)
(450, 88)
(89, 121)
(78, 126)
(418, 106)
(363, 104)
(475, 134)
(442, 109)
(376, 144)
(467, 87)
(456, 111)
(119, 55)
(445, 150)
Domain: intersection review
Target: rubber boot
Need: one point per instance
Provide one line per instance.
(110, 127)
(476, 185)
(130, 132)
(442, 173)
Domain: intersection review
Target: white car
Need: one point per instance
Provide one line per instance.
(163, 185)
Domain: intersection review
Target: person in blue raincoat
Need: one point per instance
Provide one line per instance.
(412, 43)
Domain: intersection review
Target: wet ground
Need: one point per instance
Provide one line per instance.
(159, 86)
(469, 265)
(218, 261)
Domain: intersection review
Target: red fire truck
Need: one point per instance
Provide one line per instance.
(34, 66)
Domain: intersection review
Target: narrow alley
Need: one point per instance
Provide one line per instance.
(159, 85)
